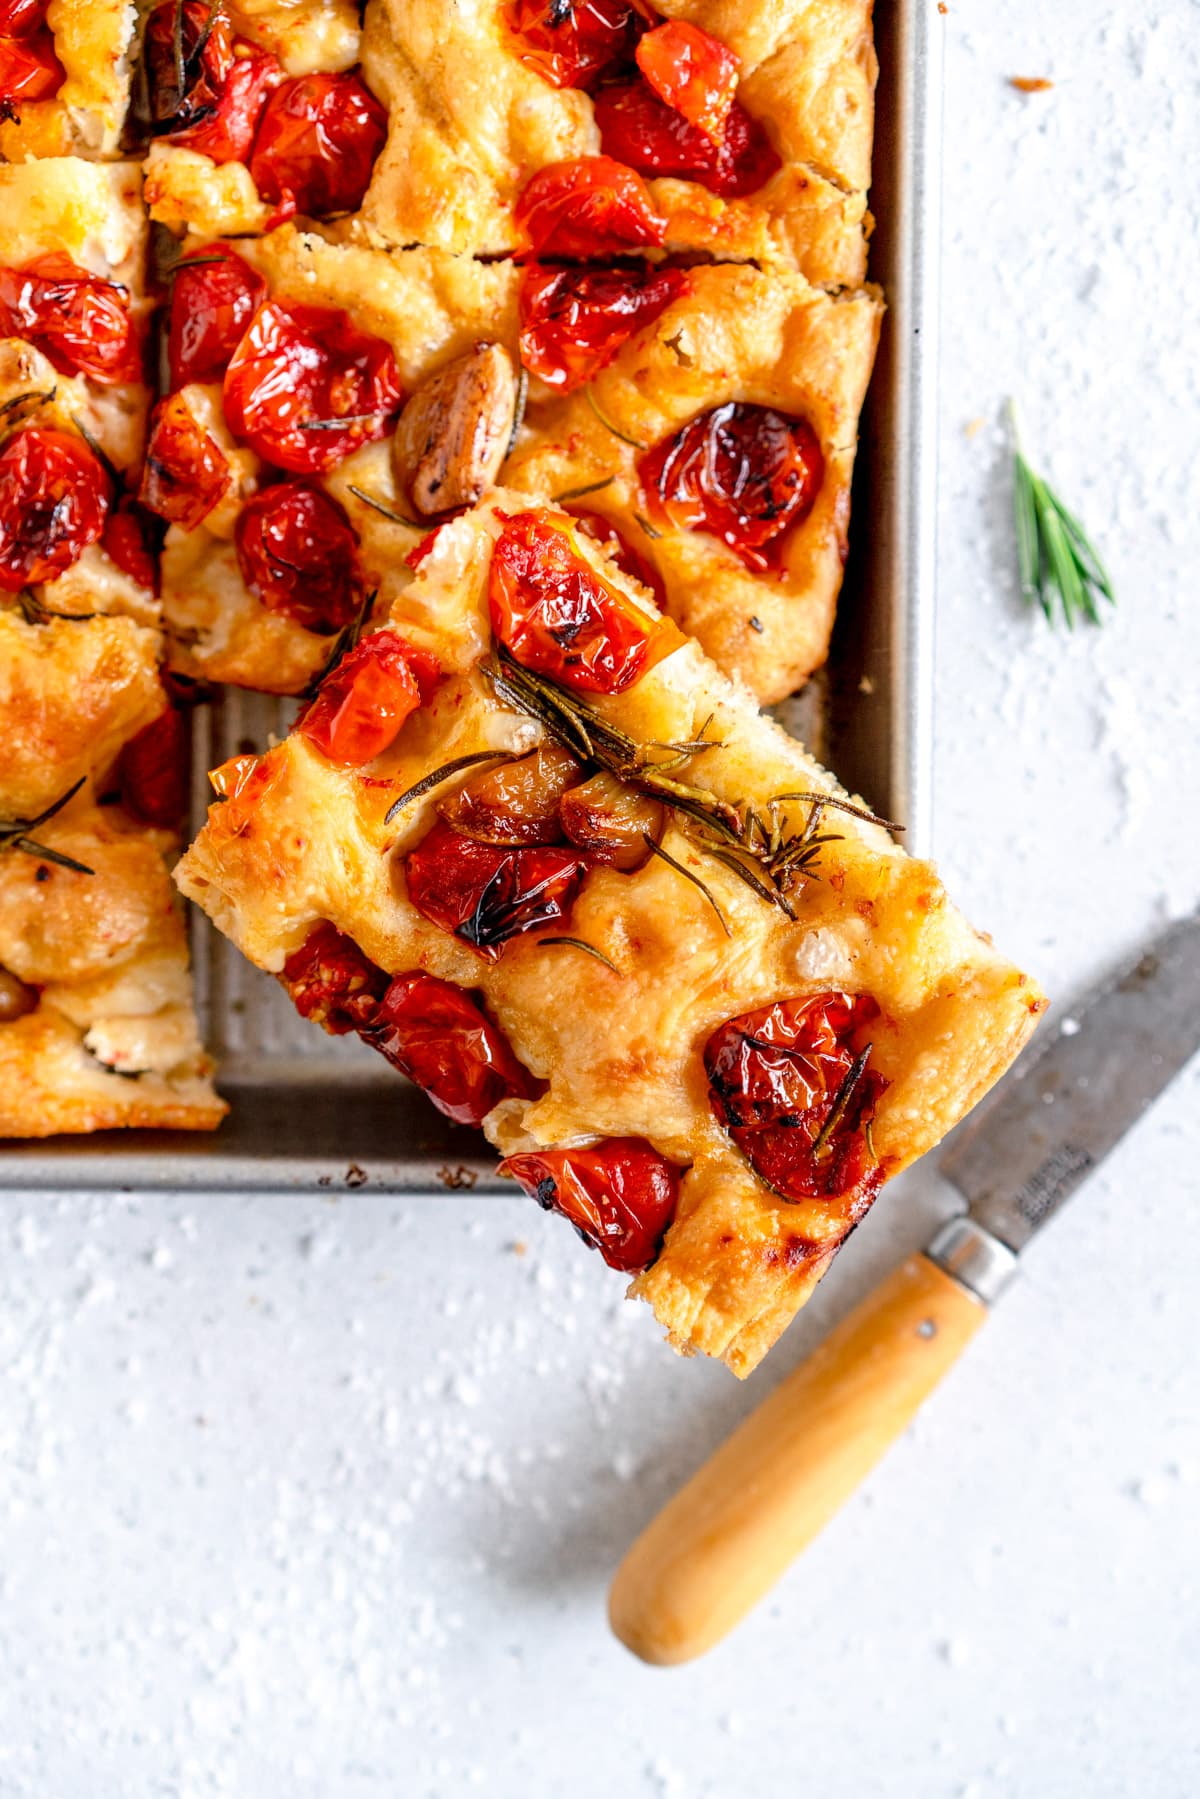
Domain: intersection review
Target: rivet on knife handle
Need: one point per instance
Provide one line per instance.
(726, 1537)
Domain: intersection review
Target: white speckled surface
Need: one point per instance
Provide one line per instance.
(320, 1499)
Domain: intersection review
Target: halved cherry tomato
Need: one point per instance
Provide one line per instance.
(21, 18)
(631, 562)
(186, 471)
(637, 128)
(589, 207)
(305, 386)
(331, 981)
(693, 72)
(299, 555)
(214, 295)
(153, 771)
(572, 42)
(573, 321)
(557, 617)
(486, 894)
(54, 498)
(620, 1195)
(79, 321)
(515, 803)
(228, 134)
(29, 66)
(440, 1037)
(775, 1075)
(316, 145)
(746, 474)
(362, 704)
(131, 538)
(187, 55)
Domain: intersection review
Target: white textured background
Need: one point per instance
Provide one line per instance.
(321, 1499)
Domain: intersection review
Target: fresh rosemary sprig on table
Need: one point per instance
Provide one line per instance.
(1060, 569)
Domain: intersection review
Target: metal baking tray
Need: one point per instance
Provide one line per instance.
(312, 1113)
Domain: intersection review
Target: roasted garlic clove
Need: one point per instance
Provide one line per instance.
(454, 431)
(611, 821)
(16, 998)
(516, 803)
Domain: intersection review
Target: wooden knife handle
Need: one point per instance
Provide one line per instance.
(727, 1536)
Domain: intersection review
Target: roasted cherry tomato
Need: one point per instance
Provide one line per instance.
(361, 704)
(305, 387)
(299, 555)
(21, 18)
(228, 135)
(153, 771)
(795, 1096)
(744, 473)
(693, 72)
(486, 894)
(630, 561)
(332, 982)
(29, 67)
(556, 616)
(590, 207)
(573, 321)
(79, 321)
(214, 295)
(316, 145)
(54, 498)
(441, 1038)
(187, 56)
(641, 130)
(620, 1195)
(186, 471)
(572, 42)
(131, 537)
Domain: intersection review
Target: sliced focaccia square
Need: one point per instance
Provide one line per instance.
(64, 77)
(253, 113)
(535, 848)
(73, 391)
(97, 1028)
(600, 127)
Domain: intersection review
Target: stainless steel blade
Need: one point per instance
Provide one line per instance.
(1053, 1118)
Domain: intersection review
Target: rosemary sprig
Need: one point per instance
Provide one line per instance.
(1060, 568)
(633, 442)
(578, 943)
(340, 424)
(841, 1100)
(656, 849)
(397, 518)
(30, 399)
(14, 834)
(343, 643)
(579, 493)
(520, 402)
(438, 775)
(34, 610)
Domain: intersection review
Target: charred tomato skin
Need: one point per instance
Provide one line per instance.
(442, 1038)
(485, 894)
(573, 43)
(361, 705)
(186, 472)
(591, 206)
(620, 1195)
(298, 555)
(184, 76)
(228, 135)
(54, 499)
(743, 473)
(316, 144)
(574, 321)
(331, 981)
(214, 295)
(641, 131)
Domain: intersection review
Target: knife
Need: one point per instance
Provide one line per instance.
(726, 1537)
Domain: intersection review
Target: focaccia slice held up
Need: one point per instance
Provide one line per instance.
(543, 855)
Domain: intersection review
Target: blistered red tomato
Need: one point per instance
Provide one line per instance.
(29, 67)
(214, 295)
(693, 72)
(744, 473)
(227, 135)
(631, 562)
(484, 893)
(131, 538)
(573, 321)
(305, 386)
(639, 129)
(590, 207)
(20, 18)
(54, 498)
(299, 555)
(186, 471)
(441, 1038)
(361, 705)
(79, 321)
(556, 616)
(187, 55)
(153, 771)
(316, 145)
(573, 42)
(332, 982)
(788, 1084)
(620, 1195)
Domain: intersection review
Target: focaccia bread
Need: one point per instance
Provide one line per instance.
(64, 77)
(502, 112)
(73, 391)
(97, 1028)
(538, 850)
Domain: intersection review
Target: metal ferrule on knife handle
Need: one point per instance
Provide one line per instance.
(976, 1260)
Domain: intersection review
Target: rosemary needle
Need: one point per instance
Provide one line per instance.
(1060, 568)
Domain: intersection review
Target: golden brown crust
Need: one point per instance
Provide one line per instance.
(622, 1053)
(471, 122)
